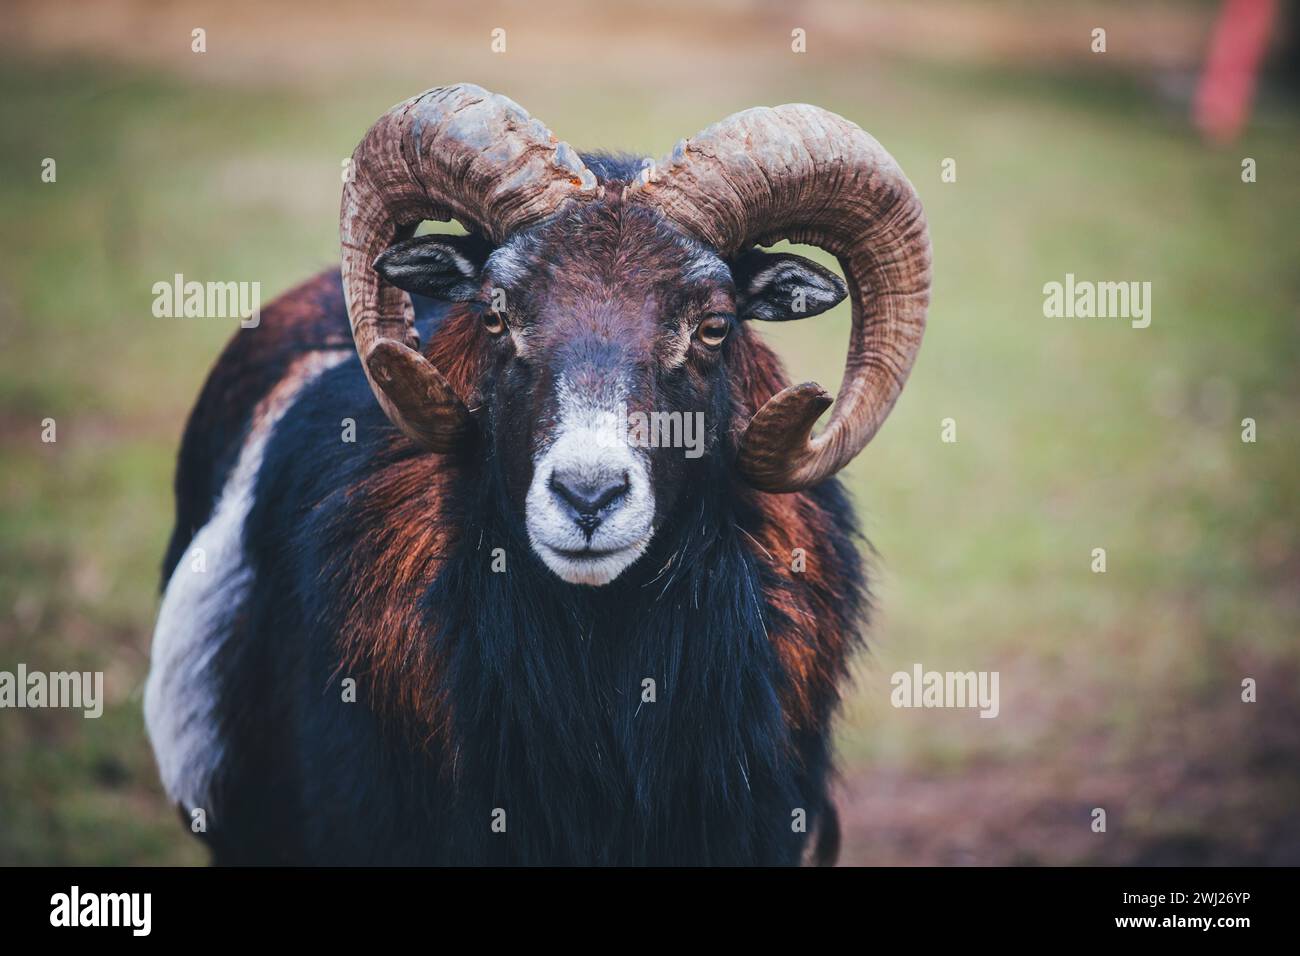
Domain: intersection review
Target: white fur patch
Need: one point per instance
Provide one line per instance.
(703, 264)
(204, 596)
(507, 264)
(588, 445)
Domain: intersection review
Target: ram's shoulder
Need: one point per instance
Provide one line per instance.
(309, 320)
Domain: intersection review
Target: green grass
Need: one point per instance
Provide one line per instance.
(1072, 434)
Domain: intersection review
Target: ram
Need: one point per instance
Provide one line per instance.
(431, 605)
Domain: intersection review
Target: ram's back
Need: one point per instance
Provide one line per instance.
(302, 331)
(306, 319)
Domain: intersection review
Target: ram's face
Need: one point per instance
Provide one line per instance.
(610, 335)
(612, 320)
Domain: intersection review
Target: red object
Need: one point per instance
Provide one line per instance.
(1227, 87)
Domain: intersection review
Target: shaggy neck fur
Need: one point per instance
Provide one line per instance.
(548, 683)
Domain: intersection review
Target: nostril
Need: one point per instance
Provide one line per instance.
(589, 497)
(611, 493)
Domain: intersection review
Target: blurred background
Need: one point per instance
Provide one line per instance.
(1119, 690)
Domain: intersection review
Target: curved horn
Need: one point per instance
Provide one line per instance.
(454, 151)
(801, 173)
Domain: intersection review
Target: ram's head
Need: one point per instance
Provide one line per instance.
(615, 305)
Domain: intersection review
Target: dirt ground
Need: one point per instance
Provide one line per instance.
(1174, 801)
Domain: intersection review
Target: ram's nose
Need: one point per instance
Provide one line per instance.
(588, 498)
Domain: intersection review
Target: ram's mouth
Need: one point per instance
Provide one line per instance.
(587, 554)
(591, 566)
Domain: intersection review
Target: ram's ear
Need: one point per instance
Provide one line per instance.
(438, 266)
(779, 286)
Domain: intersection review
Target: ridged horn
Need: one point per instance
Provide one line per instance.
(804, 174)
(451, 152)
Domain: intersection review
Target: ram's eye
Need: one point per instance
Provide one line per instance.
(713, 330)
(494, 322)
